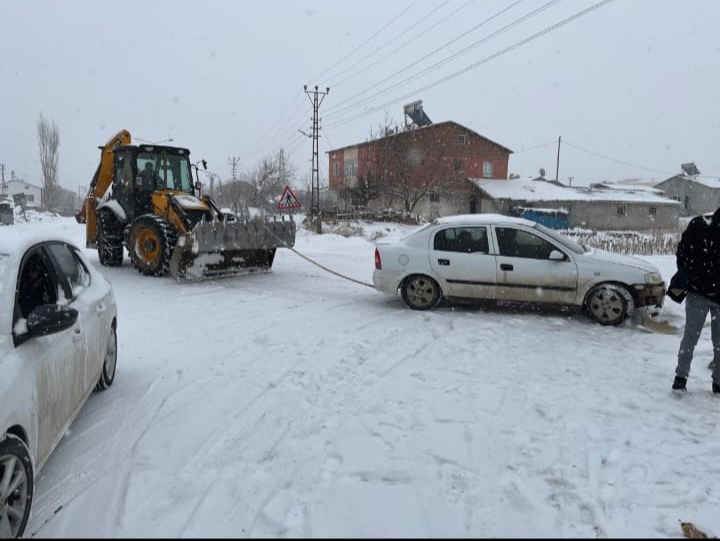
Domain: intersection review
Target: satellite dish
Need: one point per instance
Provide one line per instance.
(542, 172)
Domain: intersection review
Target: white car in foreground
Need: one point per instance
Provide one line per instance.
(58, 321)
(505, 259)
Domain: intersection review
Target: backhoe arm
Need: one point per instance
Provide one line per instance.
(101, 179)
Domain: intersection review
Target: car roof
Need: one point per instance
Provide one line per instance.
(483, 219)
(15, 241)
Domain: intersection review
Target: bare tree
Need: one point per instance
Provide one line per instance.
(48, 141)
(266, 181)
(407, 167)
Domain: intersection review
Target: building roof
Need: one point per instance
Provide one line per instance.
(23, 182)
(428, 127)
(539, 190)
(710, 182)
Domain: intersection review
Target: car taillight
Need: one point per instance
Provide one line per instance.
(378, 263)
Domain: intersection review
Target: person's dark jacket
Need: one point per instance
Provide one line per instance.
(698, 256)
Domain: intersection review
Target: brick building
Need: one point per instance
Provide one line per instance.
(423, 170)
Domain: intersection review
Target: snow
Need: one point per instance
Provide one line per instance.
(299, 403)
(539, 190)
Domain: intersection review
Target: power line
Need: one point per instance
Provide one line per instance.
(367, 40)
(339, 109)
(474, 65)
(617, 161)
(294, 103)
(534, 148)
(398, 36)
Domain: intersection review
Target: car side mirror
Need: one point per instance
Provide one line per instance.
(50, 319)
(556, 255)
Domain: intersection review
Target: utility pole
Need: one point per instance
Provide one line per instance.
(557, 163)
(316, 98)
(2, 172)
(234, 162)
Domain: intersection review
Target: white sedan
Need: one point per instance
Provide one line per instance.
(58, 321)
(505, 259)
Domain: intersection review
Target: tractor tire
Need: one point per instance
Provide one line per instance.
(151, 240)
(109, 239)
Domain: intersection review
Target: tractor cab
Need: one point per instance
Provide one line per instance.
(143, 170)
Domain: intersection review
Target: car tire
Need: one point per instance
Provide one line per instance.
(609, 304)
(107, 374)
(16, 486)
(420, 292)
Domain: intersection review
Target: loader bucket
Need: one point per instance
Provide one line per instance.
(220, 249)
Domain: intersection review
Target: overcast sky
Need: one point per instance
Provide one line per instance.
(631, 87)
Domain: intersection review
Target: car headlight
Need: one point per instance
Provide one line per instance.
(653, 278)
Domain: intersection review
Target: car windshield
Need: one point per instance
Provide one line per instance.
(560, 239)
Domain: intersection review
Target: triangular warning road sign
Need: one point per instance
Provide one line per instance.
(288, 201)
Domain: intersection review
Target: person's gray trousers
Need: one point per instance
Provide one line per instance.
(696, 311)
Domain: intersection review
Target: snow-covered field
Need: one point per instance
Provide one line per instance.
(302, 404)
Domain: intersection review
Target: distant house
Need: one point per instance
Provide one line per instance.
(697, 194)
(19, 190)
(601, 207)
(424, 169)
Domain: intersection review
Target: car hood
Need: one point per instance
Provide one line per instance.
(621, 260)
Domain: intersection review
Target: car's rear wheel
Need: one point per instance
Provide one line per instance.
(16, 486)
(609, 304)
(107, 375)
(420, 292)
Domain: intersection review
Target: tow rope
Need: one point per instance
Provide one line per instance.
(286, 245)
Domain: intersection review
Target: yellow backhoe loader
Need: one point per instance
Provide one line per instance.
(142, 198)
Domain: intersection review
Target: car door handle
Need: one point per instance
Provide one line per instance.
(444, 262)
(506, 266)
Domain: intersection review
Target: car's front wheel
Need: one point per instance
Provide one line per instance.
(107, 375)
(609, 304)
(420, 292)
(16, 486)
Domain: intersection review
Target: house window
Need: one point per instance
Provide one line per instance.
(30, 198)
(336, 168)
(461, 139)
(459, 164)
(621, 210)
(434, 197)
(487, 170)
(415, 157)
(652, 211)
(350, 168)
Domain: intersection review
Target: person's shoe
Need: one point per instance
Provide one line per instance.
(679, 384)
(716, 387)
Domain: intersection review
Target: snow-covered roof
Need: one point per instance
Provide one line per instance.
(539, 190)
(710, 182)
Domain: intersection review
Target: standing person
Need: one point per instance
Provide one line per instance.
(698, 257)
